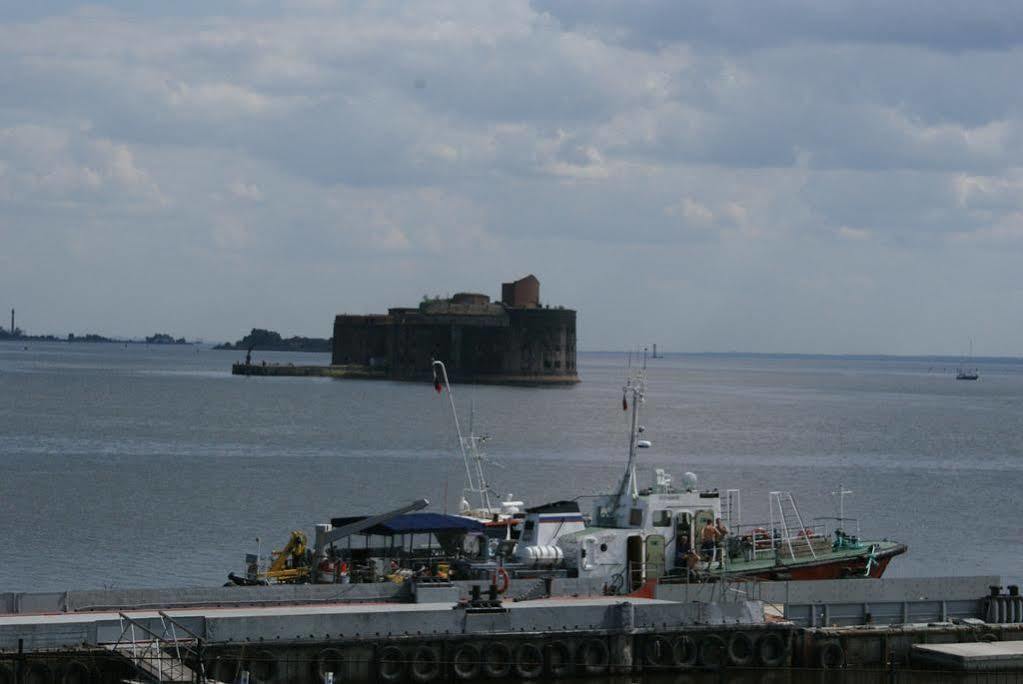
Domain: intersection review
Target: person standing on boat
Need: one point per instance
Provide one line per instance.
(708, 541)
(722, 533)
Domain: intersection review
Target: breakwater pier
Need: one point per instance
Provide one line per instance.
(549, 629)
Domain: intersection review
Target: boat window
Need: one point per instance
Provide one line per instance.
(662, 518)
(636, 517)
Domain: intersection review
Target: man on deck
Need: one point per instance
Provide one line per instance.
(708, 541)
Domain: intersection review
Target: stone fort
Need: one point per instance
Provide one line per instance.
(513, 341)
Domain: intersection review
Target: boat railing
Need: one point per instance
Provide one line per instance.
(762, 541)
(846, 525)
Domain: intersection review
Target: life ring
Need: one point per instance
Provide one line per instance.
(505, 580)
(425, 663)
(465, 661)
(497, 659)
(713, 651)
(391, 664)
(528, 660)
(830, 655)
(559, 660)
(684, 652)
(740, 649)
(593, 656)
(262, 666)
(657, 653)
(772, 649)
(76, 672)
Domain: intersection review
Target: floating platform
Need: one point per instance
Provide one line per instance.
(995, 656)
(436, 632)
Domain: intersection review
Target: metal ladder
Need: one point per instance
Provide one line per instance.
(158, 656)
(779, 502)
(733, 510)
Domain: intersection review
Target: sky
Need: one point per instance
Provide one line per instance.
(794, 176)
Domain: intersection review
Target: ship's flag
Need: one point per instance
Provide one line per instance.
(436, 382)
(625, 402)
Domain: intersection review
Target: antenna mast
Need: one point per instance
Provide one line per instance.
(477, 484)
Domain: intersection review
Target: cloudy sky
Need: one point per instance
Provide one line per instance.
(805, 176)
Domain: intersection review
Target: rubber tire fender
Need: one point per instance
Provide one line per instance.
(225, 667)
(529, 660)
(684, 652)
(329, 660)
(562, 665)
(772, 649)
(597, 647)
(988, 637)
(465, 661)
(38, 673)
(740, 649)
(657, 653)
(713, 651)
(497, 660)
(262, 667)
(77, 672)
(391, 664)
(830, 655)
(426, 663)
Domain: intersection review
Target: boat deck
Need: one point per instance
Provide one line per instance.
(835, 560)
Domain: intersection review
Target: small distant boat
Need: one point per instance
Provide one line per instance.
(964, 373)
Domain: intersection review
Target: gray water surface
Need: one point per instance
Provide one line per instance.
(149, 466)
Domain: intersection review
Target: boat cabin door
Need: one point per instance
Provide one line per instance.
(634, 562)
(683, 533)
(654, 556)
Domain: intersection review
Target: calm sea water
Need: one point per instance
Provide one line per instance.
(152, 466)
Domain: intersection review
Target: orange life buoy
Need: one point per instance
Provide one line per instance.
(505, 580)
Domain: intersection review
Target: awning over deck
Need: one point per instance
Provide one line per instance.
(415, 523)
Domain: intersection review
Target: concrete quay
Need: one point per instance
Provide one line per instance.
(429, 632)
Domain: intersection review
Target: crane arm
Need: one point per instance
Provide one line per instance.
(326, 535)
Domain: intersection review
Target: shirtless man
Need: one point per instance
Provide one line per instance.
(722, 533)
(708, 540)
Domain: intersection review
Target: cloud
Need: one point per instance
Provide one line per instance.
(739, 158)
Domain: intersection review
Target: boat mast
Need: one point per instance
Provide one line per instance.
(479, 485)
(634, 386)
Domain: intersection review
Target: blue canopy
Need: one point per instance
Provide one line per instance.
(415, 523)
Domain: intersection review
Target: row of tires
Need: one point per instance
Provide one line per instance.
(740, 649)
(73, 672)
(556, 659)
(493, 659)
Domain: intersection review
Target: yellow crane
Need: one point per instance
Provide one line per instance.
(290, 564)
(295, 562)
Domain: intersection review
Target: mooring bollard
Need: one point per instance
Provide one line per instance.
(243, 678)
(328, 678)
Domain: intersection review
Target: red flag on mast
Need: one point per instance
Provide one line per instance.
(625, 403)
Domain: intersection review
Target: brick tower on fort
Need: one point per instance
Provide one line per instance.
(514, 341)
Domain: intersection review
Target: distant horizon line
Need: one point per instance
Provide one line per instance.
(611, 352)
(810, 355)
